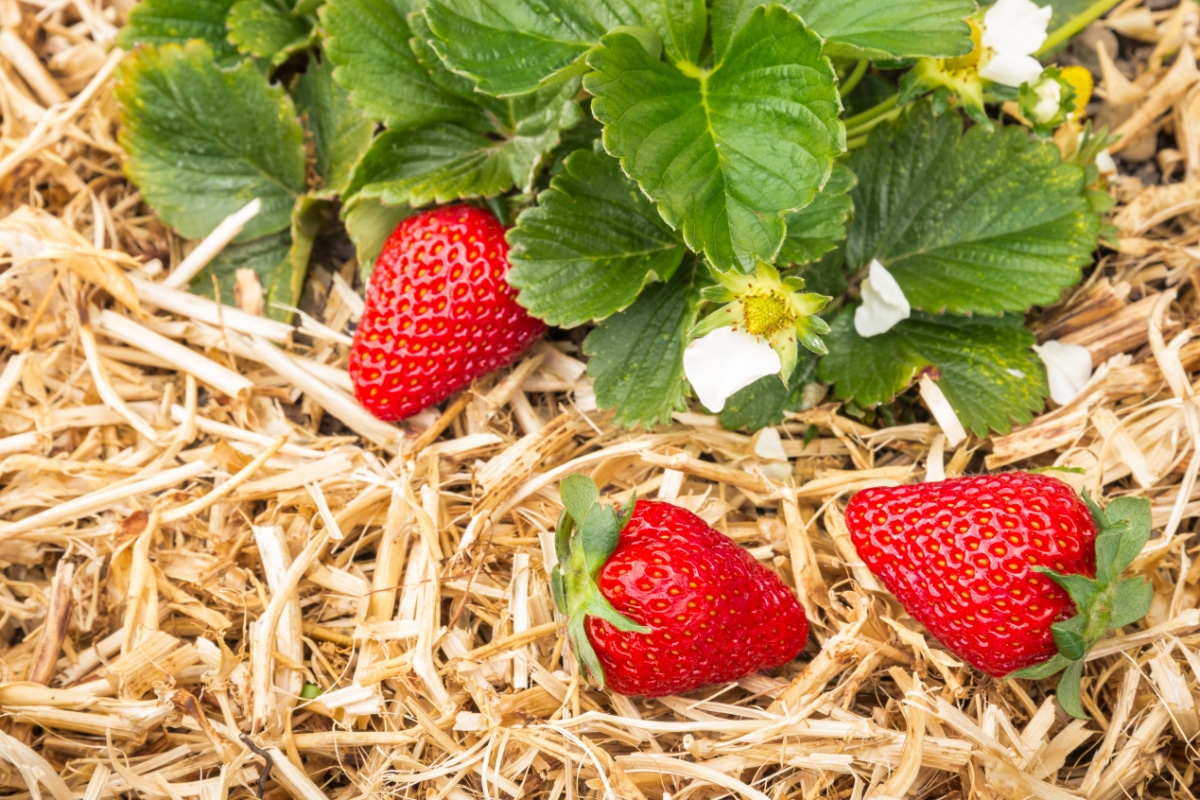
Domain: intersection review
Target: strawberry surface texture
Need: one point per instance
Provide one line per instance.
(960, 555)
(439, 313)
(690, 607)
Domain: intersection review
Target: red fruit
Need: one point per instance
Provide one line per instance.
(674, 605)
(960, 557)
(439, 313)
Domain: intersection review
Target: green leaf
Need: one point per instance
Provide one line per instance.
(764, 402)
(158, 22)
(269, 256)
(818, 227)
(265, 29)
(889, 29)
(680, 23)
(516, 46)
(368, 42)
(203, 142)
(280, 260)
(826, 275)
(369, 223)
(987, 370)
(340, 133)
(877, 29)
(284, 290)
(725, 152)
(449, 162)
(1131, 602)
(982, 223)
(637, 354)
(590, 245)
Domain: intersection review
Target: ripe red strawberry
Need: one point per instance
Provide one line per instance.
(439, 313)
(1010, 571)
(660, 603)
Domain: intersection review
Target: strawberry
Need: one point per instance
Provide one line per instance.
(1012, 572)
(439, 313)
(658, 603)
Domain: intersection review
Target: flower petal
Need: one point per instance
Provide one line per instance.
(884, 304)
(1068, 369)
(1011, 69)
(724, 361)
(1049, 100)
(1016, 27)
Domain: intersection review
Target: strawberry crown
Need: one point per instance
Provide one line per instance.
(1105, 602)
(586, 535)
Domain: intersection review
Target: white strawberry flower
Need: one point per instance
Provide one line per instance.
(1013, 30)
(1068, 369)
(1047, 95)
(883, 303)
(757, 330)
(726, 361)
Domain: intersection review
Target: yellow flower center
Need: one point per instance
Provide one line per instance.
(765, 315)
(972, 58)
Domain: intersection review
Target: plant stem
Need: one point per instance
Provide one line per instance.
(1076, 23)
(860, 69)
(857, 142)
(867, 127)
(871, 113)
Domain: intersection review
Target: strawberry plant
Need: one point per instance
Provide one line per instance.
(658, 603)
(689, 176)
(1012, 572)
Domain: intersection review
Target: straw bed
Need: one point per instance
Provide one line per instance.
(184, 546)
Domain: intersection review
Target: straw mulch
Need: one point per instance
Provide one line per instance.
(196, 521)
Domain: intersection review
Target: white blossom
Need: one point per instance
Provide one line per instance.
(1068, 369)
(884, 304)
(1049, 100)
(724, 361)
(1013, 30)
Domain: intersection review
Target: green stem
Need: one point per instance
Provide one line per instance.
(860, 69)
(867, 127)
(871, 113)
(1075, 24)
(857, 142)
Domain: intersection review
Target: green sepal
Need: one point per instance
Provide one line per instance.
(585, 654)
(558, 589)
(598, 606)
(1044, 670)
(1103, 603)
(1135, 511)
(1082, 589)
(626, 511)
(586, 534)
(1069, 638)
(1069, 693)
(1132, 602)
(579, 494)
(562, 539)
(599, 533)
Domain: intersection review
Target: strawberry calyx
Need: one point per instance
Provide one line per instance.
(1105, 602)
(585, 537)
